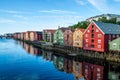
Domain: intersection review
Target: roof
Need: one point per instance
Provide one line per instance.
(82, 30)
(39, 32)
(108, 28)
(63, 29)
(72, 30)
(50, 30)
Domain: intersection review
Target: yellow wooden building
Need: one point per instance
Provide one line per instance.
(78, 37)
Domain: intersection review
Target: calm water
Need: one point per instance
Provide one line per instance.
(20, 61)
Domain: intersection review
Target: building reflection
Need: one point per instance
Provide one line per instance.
(48, 55)
(30, 49)
(83, 68)
(91, 70)
(77, 69)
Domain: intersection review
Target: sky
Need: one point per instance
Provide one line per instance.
(36, 15)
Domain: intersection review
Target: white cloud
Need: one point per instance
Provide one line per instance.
(100, 5)
(13, 12)
(58, 12)
(81, 2)
(21, 17)
(117, 0)
(7, 21)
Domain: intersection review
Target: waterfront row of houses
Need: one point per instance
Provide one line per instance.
(98, 36)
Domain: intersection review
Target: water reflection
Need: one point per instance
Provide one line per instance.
(82, 68)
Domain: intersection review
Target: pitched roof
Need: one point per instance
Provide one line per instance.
(38, 32)
(63, 29)
(82, 30)
(108, 28)
(50, 30)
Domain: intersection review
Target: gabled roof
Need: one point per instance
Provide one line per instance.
(108, 28)
(82, 30)
(72, 30)
(63, 29)
(50, 30)
(38, 32)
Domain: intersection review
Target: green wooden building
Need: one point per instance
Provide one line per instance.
(59, 36)
(115, 45)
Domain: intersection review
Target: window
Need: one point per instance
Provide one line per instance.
(99, 35)
(99, 41)
(92, 40)
(97, 30)
(92, 35)
(88, 31)
(114, 45)
(77, 43)
(86, 40)
(92, 46)
(113, 36)
(86, 35)
(99, 46)
(86, 45)
(92, 26)
(92, 31)
(117, 35)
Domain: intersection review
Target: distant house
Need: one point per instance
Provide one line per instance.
(68, 37)
(108, 16)
(115, 45)
(22, 35)
(59, 36)
(15, 35)
(35, 36)
(98, 35)
(48, 35)
(78, 37)
(27, 35)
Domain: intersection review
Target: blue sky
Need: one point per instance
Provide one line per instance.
(24, 15)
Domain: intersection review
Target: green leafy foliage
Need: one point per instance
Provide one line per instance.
(104, 19)
(83, 24)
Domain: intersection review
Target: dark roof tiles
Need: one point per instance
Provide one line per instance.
(108, 28)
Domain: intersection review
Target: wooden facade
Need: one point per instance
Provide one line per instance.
(35, 36)
(98, 35)
(115, 45)
(27, 36)
(78, 38)
(48, 35)
(16, 35)
(59, 36)
(68, 37)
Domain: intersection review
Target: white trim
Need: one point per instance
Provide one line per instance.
(96, 26)
(87, 28)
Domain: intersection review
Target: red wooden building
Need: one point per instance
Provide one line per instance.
(68, 37)
(98, 35)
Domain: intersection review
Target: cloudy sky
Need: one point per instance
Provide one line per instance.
(24, 15)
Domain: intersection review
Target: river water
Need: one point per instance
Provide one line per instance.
(20, 61)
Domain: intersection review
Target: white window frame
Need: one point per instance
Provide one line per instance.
(99, 46)
(99, 40)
